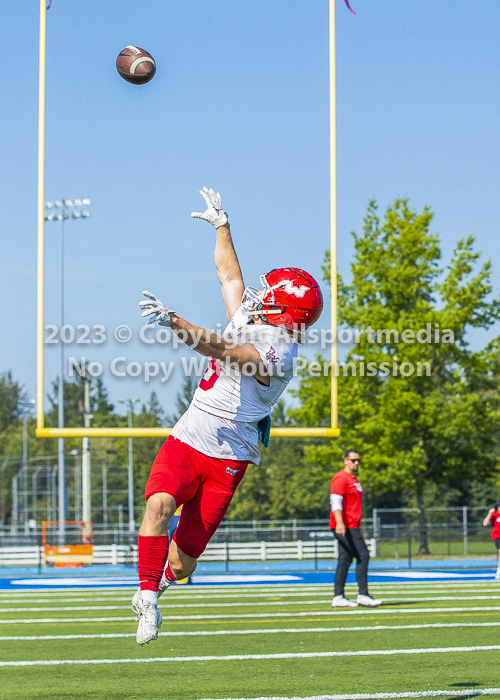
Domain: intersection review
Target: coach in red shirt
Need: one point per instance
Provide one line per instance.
(346, 494)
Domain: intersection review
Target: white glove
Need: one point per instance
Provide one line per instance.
(156, 309)
(214, 214)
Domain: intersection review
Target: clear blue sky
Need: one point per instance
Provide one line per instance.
(240, 103)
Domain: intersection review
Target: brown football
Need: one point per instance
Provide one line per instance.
(135, 65)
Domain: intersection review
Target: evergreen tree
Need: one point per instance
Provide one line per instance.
(11, 398)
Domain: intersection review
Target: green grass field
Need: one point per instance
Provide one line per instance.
(238, 624)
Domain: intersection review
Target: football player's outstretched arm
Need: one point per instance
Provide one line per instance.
(228, 271)
(211, 345)
(226, 260)
(204, 341)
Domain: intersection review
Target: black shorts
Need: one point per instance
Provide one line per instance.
(497, 542)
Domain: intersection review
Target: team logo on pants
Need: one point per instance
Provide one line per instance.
(232, 472)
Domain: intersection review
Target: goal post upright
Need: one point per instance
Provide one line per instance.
(40, 212)
(43, 432)
(333, 215)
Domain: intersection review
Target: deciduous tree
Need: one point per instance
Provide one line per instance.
(421, 406)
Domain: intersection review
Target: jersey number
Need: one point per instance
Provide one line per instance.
(211, 375)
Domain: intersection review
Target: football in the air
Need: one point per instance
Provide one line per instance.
(135, 65)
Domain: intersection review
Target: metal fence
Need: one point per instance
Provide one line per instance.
(313, 551)
(308, 539)
(33, 493)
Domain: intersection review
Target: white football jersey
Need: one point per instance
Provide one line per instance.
(228, 392)
(221, 420)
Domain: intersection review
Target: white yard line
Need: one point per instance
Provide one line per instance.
(270, 603)
(44, 620)
(249, 591)
(181, 593)
(315, 613)
(70, 607)
(172, 594)
(188, 591)
(271, 596)
(388, 696)
(180, 589)
(200, 595)
(254, 657)
(222, 633)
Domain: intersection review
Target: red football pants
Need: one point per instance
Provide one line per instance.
(203, 485)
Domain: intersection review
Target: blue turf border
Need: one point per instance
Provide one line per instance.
(27, 578)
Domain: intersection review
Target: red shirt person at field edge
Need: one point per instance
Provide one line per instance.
(346, 495)
(493, 518)
(207, 453)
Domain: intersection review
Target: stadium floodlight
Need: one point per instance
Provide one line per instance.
(42, 431)
(86, 202)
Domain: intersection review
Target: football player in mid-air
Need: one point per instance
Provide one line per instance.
(206, 455)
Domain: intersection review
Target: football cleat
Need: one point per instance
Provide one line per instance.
(368, 602)
(339, 601)
(497, 576)
(149, 619)
(137, 597)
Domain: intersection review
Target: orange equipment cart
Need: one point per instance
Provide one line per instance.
(78, 547)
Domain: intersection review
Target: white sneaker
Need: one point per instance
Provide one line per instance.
(497, 576)
(339, 601)
(368, 602)
(149, 618)
(137, 597)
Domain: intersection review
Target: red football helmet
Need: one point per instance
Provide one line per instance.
(291, 298)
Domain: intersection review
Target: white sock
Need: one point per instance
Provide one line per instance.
(150, 597)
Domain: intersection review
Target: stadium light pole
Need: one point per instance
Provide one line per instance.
(60, 210)
(26, 408)
(86, 468)
(130, 469)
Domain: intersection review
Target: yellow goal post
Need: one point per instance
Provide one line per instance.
(43, 432)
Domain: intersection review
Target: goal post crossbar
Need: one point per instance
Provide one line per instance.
(159, 432)
(44, 432)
